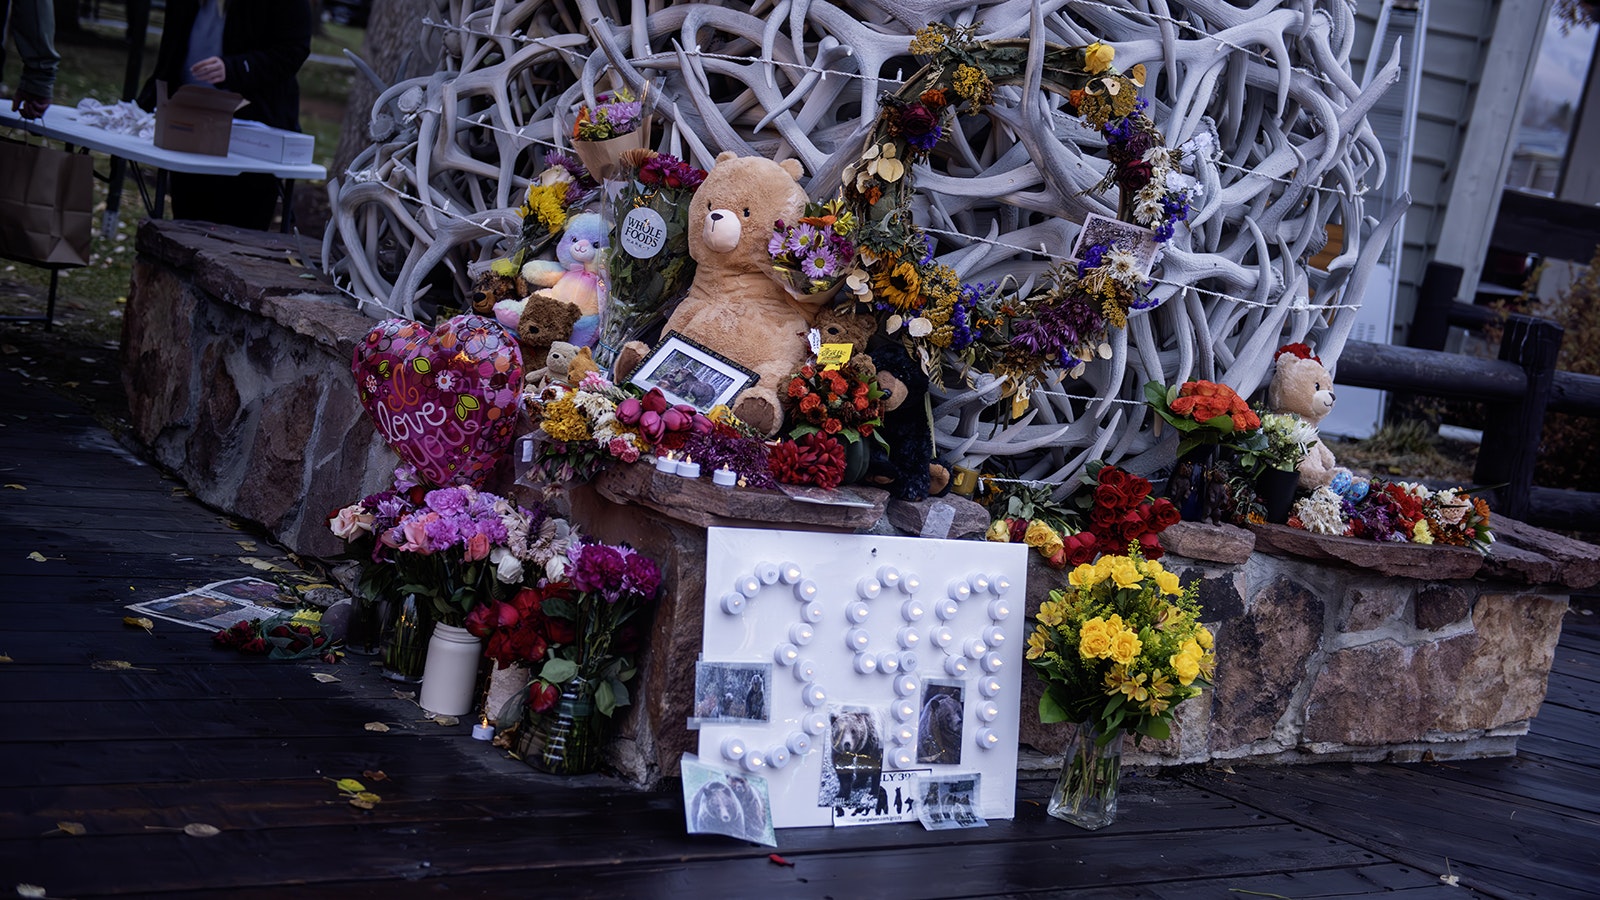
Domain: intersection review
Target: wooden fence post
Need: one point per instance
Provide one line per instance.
(1511, 436)
(1430, 324)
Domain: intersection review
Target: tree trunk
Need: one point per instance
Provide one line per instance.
(393, 31)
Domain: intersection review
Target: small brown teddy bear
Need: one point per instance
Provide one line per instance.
(1302, 386)
(544, 321)
(736, 305)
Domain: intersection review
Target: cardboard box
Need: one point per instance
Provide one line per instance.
(258, 141)
(195, 119)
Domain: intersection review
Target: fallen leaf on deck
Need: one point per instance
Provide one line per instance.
(446, 720)
(359, 803)
(248, 546)
(779, 860)
(201, 829)
(349, 785)
(369, 796)
(75, 829)
(262, 564)
(36, 556)
(376, 726)
(117, 665)
(16, 487)
(405, 695)
(375, 775)
(5, 658)
(324, 677)
(140, 622)
(30, 890)
(1452, 880)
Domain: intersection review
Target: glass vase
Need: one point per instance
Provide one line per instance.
(368, 620)
(566, 739)
(1086, 792)
(405, 647)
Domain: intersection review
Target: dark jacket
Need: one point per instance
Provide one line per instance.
(264, 42)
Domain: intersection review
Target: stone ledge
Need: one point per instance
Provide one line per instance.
(1402, 560)
(699, 502)
(237, 370)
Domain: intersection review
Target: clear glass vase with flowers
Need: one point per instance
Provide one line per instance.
(1117, 649)
(580, 637)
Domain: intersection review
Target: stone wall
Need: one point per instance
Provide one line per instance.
(1414, 652)
(237, 368)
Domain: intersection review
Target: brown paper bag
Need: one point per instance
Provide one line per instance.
(46, 204)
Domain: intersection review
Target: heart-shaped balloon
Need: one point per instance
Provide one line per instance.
(446, 401)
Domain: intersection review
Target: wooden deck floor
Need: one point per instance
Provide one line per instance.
(248, 746)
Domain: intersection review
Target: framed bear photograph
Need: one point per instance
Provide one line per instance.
(689, 373)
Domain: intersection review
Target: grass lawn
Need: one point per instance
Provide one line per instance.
(79, 354)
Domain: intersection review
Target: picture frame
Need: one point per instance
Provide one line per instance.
(1135, 239)
(687, 372)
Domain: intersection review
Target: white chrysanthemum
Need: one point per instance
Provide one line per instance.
(1123, 267)
(1158, 158)
(1320, 513)
(1147, 203)
(594, 406)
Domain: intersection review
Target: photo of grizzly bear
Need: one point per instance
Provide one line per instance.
(857, 755)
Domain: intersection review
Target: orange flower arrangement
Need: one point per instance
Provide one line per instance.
(1206, 400)
(845, 402)
(1204, 412)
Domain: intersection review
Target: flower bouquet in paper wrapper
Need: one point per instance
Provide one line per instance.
(647, 267)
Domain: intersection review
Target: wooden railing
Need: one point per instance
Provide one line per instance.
(1517, 389)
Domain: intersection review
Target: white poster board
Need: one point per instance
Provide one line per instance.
(890, 658)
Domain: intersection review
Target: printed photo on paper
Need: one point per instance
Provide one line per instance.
(731, 692)
(1118, 235)
(950, 801)
(735, 804)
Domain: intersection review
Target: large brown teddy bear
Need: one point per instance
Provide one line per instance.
(1302, 386)
(736, 306)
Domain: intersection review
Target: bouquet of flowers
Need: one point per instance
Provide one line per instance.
(1113, 510)
(815, 252)
(614, 114)
(562, 188)
(652, 194)
(1285, 441)
(846, 402)
(1202, 411)
(460, 547)
(586, 625)
(1120, 647)
(1400, 512)
(587, 427)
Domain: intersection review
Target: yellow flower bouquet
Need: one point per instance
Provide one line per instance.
(1120, 647)
(1117, 650)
